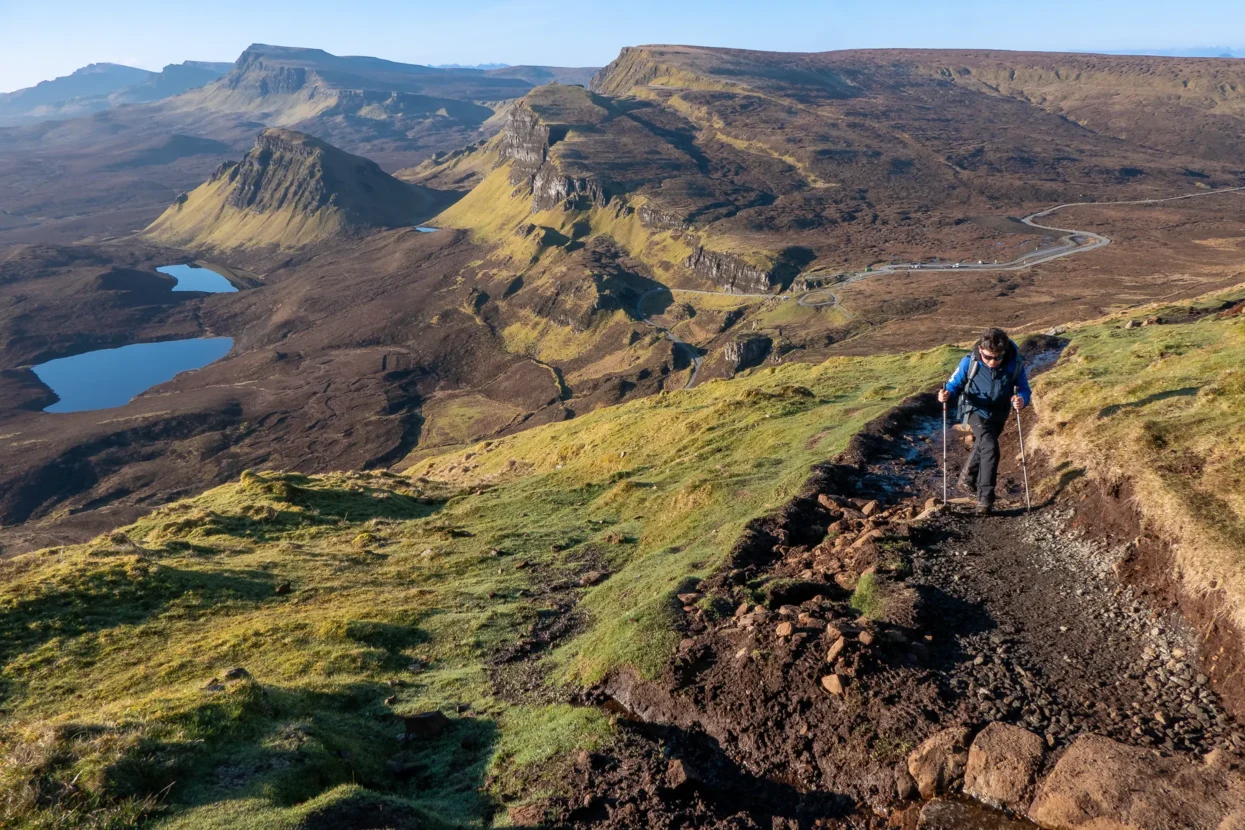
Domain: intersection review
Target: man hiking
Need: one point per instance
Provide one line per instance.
(991, 380)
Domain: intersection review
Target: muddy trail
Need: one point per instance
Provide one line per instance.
(866, 654)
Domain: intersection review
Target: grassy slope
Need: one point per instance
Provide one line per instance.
(107, 646)
(1164, 407)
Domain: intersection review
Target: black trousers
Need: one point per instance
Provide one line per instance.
(983, 463)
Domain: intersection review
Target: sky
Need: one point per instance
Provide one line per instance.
(44, 39)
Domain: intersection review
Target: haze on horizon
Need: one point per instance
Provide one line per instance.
(43, 41)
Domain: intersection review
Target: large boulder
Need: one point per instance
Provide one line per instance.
(937, 765)
(1099, 784)
(1003, 763)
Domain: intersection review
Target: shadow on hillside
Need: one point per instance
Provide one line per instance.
(1186, 392)
(335, 758)
(722, 785)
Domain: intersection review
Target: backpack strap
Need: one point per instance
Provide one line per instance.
(973, 366)
(1017, 365)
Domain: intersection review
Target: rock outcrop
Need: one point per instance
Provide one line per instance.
(730, 273)
(1099, 783)
(750, 351)
(527, 142)
(938, 764)
(1003, 763)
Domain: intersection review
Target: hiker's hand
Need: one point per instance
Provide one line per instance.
(943, 396)
(1018, 403)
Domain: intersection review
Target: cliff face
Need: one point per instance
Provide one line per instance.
(290, 190)
(731, 273)
(527, 142)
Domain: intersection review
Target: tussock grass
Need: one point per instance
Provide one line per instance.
(1164, 408)
(114, 654)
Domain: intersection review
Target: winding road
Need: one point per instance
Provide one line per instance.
(1071, 242)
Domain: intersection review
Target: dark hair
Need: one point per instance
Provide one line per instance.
(994, 341)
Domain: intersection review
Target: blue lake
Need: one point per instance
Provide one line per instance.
(111, 377)
(198, 278)
(426, 229)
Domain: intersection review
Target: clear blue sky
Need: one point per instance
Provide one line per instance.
(41, 39)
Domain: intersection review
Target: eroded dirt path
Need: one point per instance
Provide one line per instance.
(1015, 618)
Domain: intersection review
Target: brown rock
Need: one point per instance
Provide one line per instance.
(680, 773)
(1003, 763)
(867, 536)
(836, 648)
(931, 503)
(785, 629)
(1099, 783)
(938, 764)
(833, 684)
(905, 784)
(392, 699)
(284, 588)
(425, 724)
(688, 599)
(592, 578)
(865, 638)
(527, 815)
(404, 764)
(827, 501)
(870, 507)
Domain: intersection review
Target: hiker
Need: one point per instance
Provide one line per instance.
(991, 380)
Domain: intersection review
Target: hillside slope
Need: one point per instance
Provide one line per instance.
(289, 191)
(406, 595)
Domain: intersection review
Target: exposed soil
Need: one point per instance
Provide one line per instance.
(1020, 618)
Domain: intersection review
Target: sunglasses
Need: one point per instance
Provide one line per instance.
(990, 358)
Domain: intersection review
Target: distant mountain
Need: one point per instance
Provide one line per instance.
(290, 190)
(101, 86)
(91, 80)
(471, 65)
(1188, 52)
(393, 113)
(541, 75)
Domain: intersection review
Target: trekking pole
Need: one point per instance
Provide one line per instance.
(1023, 466)
(944, 449)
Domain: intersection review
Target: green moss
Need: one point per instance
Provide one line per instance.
(867, 598)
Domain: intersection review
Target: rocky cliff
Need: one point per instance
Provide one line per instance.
(290, 190)
(528, 140)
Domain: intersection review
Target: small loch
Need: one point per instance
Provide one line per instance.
(107, 378)
(195, 277)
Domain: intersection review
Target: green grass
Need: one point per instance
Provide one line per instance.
(867, 599)
(402, 586)
(1162, 407)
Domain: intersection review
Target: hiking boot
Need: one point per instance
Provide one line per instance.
(984, 508)
(967, 484)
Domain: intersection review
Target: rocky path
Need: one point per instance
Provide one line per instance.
(1057, 644)
(1000, 657)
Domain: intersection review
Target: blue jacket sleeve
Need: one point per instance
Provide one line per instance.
(1022, 384)
(956, 384)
